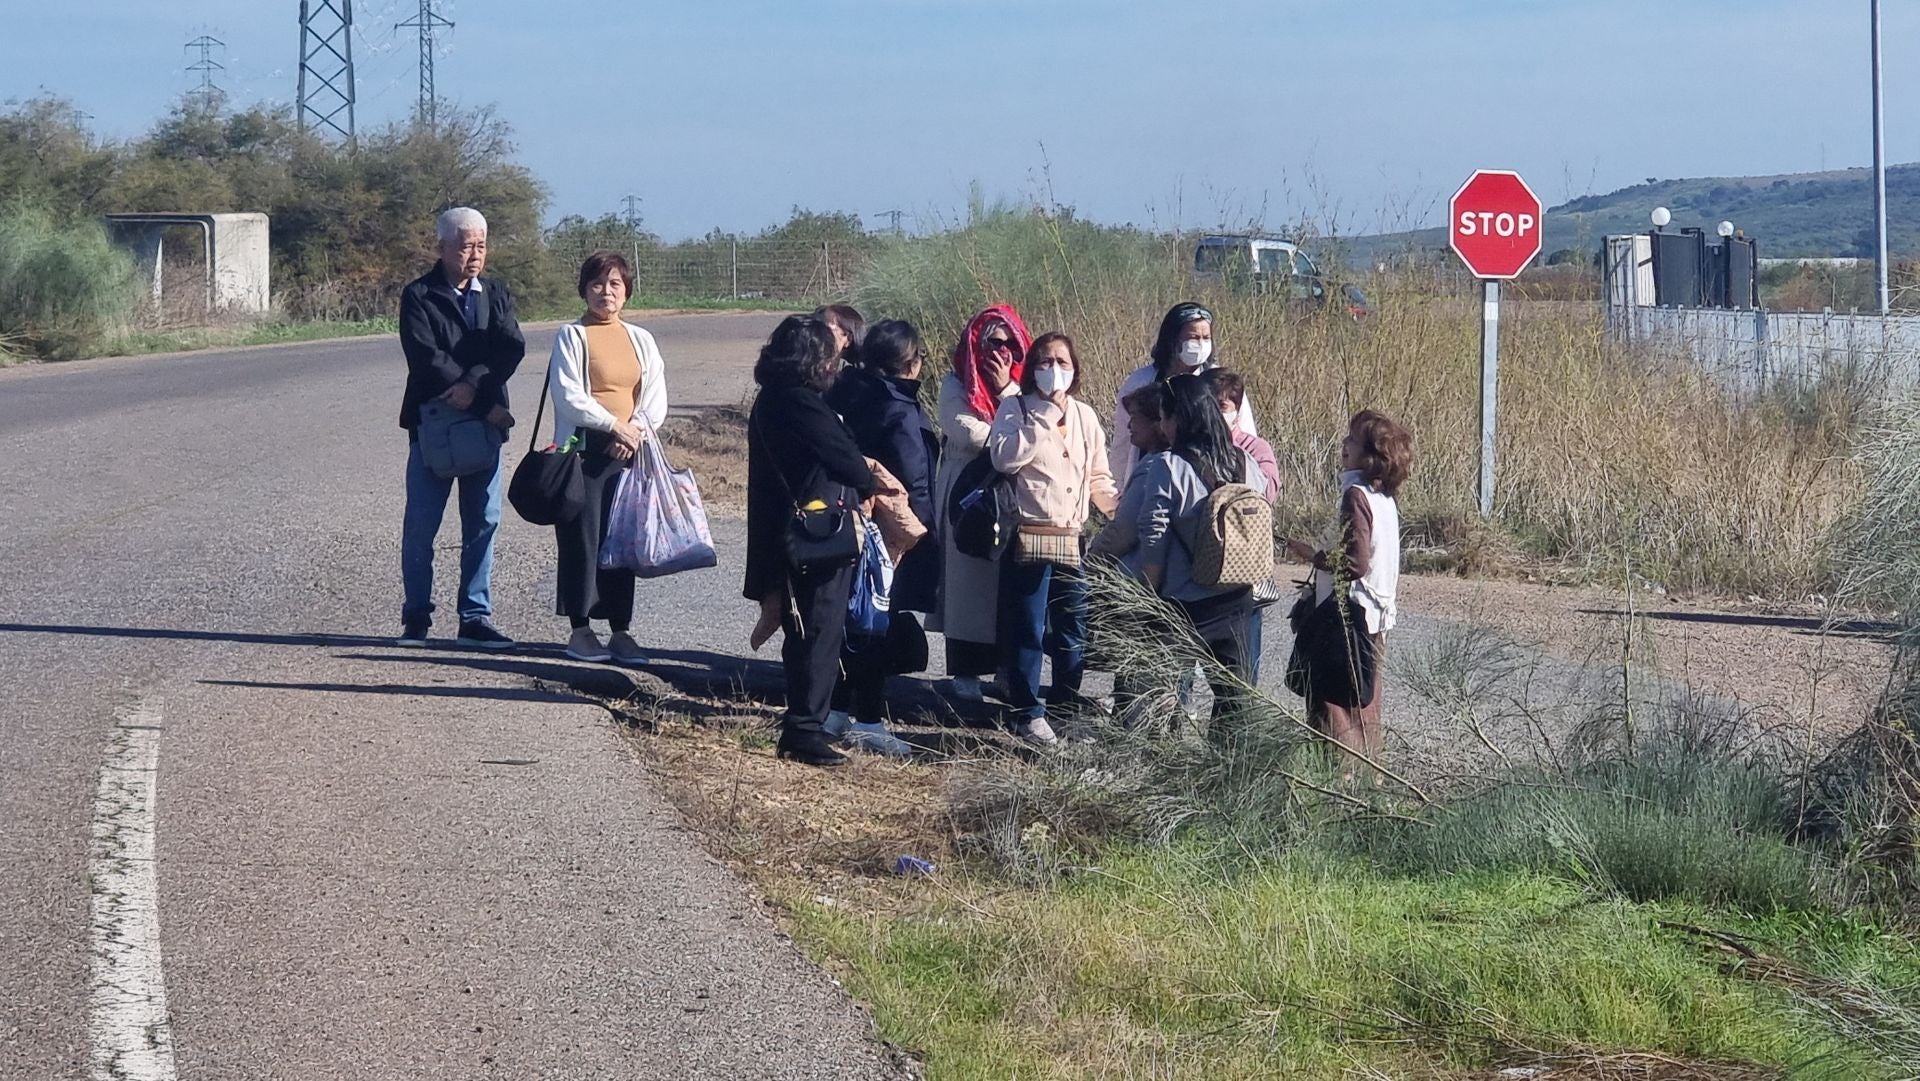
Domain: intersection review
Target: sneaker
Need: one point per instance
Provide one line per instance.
(965, 688)
(837, 723)
(1037, 732)
(624, 649)
(872, 736)
(413, 633)
(479, 632)
(586, 646)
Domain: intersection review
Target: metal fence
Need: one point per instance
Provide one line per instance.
(731, 269)
(1751, 351)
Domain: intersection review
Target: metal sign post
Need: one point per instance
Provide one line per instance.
(1494, 225)
(1489, 386)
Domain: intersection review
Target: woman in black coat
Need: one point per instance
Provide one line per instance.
(879, 399)
(799, 451)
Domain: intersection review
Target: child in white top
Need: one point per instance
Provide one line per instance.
(1363, 549)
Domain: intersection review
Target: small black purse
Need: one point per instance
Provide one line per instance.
(822, 535)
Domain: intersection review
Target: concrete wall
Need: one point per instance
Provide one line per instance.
(1755, 350)
(241, 263)
(236, 255)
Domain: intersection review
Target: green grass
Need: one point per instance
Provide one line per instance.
(1158, 965)
(716, 304)
(241, 336)
(64, 288)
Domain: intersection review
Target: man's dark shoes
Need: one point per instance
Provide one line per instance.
(808, 748)
(481, 634)
(413, 633)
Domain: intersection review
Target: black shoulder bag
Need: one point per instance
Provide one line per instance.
(548, 487)
(981, 510)
(822, 535)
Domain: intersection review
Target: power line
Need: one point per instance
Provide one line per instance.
(632, 203)
(208, 90)
(426, 23)
(326, 61)
(893, 218)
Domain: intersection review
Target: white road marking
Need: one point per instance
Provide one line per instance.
(131, 1038)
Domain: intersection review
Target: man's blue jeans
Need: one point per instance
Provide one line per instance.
(1043, 612)
(479, 516)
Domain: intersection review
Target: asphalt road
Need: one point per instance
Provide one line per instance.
(371, 863)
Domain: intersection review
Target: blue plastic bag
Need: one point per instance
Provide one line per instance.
(869, 606)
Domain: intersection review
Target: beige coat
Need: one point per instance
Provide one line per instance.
(1057, 470)
(969, 587)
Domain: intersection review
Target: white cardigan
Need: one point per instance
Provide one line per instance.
(574, 406)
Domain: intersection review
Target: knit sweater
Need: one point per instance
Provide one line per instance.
(1058, 460)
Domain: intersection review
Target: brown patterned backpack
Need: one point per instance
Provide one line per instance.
(1233, 545)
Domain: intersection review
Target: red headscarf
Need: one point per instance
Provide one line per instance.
(968, 357)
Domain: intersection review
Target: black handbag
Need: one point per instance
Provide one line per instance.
(1333, 658)
(822, 535)
(981, 510)
(548, 487)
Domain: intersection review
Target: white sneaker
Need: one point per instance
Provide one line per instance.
(586, 646)
(966, 688)
(836, 724)
(1037, 732)
(873, 736)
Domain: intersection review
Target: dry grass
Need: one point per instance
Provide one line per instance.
(1609, 461)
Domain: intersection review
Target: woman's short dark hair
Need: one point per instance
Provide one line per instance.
(891, 348)
(1028, 385)
(1386, 450)
(599, 263)
(1200, 433)
(1148, 403)
(850, 322)
(800, 352)
(1226, 383)
(1170, 336)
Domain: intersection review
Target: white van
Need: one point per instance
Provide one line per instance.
(1257, 264)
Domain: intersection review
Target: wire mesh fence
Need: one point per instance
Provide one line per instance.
(728, 269)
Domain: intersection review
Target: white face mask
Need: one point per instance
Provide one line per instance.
(1195, 351)
(1052, 379)
(1232, 417)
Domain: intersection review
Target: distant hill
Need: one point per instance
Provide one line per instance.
(1797, 214)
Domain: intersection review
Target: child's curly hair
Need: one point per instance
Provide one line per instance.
(1386, 450)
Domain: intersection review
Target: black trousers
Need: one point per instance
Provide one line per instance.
(584, 590)
(1223, 625)
(816, 629)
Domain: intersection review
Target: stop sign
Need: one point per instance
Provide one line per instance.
(1493, 222)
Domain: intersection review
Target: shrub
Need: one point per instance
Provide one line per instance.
(65, 290)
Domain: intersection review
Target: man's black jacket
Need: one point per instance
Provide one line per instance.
(441, 350)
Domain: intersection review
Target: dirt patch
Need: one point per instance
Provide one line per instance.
(1784, 662)
(795, 831)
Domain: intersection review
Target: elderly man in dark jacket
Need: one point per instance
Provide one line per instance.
(462, 345)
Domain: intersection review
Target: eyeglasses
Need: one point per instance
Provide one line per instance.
(994, 345)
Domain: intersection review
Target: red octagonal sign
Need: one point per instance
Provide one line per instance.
(1493, 222)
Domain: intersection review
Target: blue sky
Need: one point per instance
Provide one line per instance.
(1364, 114)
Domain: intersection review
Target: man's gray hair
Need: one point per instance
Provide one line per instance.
(460, 219)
